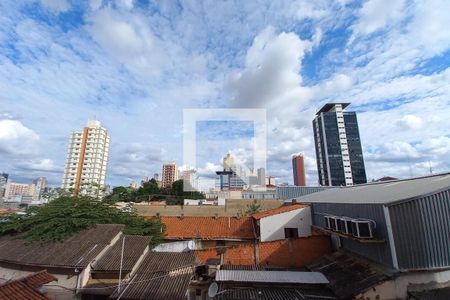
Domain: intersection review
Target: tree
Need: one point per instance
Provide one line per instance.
(253, 208)
(150, 187)
(65, 216)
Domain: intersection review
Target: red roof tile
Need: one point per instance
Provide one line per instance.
(277, 211)
(26, 288)
(208, 228)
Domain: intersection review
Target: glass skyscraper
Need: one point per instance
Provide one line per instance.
(339, 154)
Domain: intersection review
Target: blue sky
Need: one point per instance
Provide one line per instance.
(135, 65)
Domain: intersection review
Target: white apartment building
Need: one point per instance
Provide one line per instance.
(87, 158)
(18, 190)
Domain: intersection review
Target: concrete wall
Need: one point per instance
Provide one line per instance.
(272, 227)
(398, 288)
(63, 289)
(231, 208)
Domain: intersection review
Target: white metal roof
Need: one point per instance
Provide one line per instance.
(271, 276)
(381, 192)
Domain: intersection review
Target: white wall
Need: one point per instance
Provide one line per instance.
(397, 289)
(272, 227)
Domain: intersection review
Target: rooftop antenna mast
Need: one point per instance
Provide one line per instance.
(431, 168)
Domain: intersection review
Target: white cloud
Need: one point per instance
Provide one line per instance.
(272, 67)
(429, 28)
(44, 165)
(56, 6)
(308, 9)
(15, 138)
(410, 122)
(377, 14)
(127, 4)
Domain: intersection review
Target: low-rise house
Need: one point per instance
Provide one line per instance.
(289, 221)
(209, 232)
(27, 288)
(68, 261)
(402, 225)
(119, 261)
(287, 253)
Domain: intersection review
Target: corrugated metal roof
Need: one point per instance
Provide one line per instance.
(133, 249)
(271, 276)
(77, 251)
(381, 192)
(246, 293)
(161, 275)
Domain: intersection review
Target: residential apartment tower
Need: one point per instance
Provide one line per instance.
(169, 174)
(87, 159)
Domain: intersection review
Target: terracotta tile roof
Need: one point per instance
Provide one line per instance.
(133, 249)
(77, 251)
(208, 228)
(283, 253)
(161, 275)
(277, 211)
(26, 288)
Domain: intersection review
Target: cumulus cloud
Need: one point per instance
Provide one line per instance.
(16, 138)
(410, 122)
(272, 68)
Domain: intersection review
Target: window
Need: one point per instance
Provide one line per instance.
(290, 232)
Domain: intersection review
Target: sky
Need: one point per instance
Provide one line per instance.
(135, 65)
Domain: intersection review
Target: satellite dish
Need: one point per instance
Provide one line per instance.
(191, 245)
(212, 290)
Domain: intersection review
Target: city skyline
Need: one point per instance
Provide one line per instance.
(118, 62)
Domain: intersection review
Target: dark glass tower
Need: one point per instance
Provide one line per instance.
(339, 154)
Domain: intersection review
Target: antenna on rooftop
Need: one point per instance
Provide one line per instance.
(431, 168)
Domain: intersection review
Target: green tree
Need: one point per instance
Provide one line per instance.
(253, 208)
(65, 216)
(151, 187)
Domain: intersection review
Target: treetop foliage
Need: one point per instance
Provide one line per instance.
(149, 191)
(65, 216)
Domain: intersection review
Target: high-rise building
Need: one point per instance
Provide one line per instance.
(298, 168)
(339, 154)
(40, 185)
(169, 174)
(3, 182)
(87, 158)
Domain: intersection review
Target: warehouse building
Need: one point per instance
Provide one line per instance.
(400, 225)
